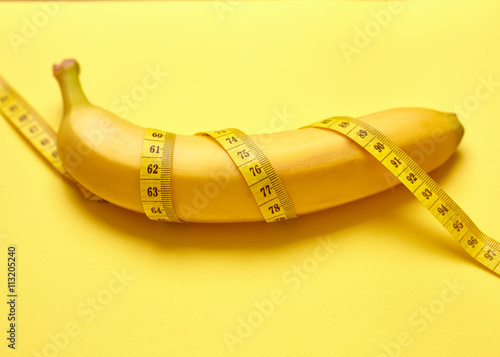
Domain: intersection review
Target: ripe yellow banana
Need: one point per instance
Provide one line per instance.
(318, 168)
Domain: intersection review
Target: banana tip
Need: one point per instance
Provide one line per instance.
(64, 66)
(455, 121)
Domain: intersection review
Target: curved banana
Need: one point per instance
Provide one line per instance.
(318, 168)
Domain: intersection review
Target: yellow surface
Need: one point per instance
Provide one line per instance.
(377, 277)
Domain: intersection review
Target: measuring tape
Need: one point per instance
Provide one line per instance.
(155, 173)
(264, 183)
(480, 246)
(36, 131)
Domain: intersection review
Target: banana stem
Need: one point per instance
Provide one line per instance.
(67, 74)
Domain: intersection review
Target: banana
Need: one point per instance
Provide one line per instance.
(319, 169)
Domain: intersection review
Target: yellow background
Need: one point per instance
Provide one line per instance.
(381, 288)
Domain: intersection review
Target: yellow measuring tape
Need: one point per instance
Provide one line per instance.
(266, 187)
(264, 183)
(35, 130)
(155, 173)
(480, 246)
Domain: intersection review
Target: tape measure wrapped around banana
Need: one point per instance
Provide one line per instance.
(224, 176)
